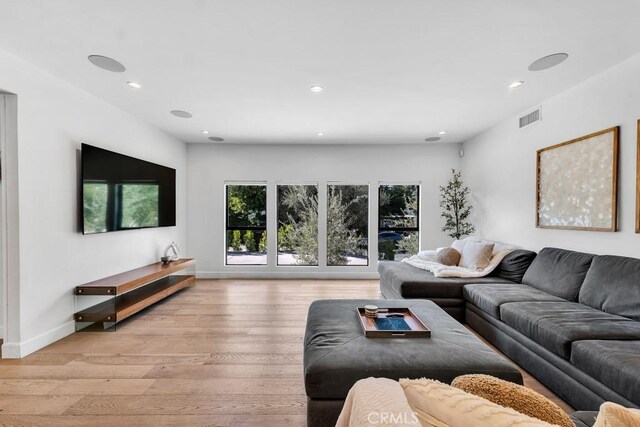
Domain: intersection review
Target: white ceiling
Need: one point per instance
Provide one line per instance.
(395, 71)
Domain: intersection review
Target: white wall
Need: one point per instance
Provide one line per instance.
(2, 271)
(500, 164)
(209, 166)
(3, 133)
(54, 118)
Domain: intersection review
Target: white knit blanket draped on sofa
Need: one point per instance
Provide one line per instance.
(427, 260)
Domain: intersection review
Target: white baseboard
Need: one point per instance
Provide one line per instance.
(10, 351)
(287, 275)
(21, 349)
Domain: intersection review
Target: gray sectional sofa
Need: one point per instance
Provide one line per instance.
(572, 320)
(399, 280)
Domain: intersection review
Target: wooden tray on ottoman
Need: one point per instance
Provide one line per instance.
(418, 329)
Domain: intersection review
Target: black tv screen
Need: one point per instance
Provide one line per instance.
(124, 193)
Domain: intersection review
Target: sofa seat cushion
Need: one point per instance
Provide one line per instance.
(556, 325)
(615, 364)
(558, 272)
(489, 297)
(613, 286)
(406, 281)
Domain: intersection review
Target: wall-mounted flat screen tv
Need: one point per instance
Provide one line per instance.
(124, 193)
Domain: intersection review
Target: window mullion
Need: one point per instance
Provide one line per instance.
(322, 224)
(272, 224)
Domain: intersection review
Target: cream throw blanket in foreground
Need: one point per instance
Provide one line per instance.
(427, 260)
(377, 402)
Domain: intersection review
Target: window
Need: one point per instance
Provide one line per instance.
(347, 224)
(398, 221)
(297, 225)
(246, 224)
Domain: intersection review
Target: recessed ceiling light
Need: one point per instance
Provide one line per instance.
(320, 134)
(204, 132)
(106, 63)
(216, 138)
(181, 114)
(442, 132)
(548, 61)
(316, 88)
(516, 84)
(433, 139)
(135, 85)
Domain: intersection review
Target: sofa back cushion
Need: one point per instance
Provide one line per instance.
(513, 266)
(612, 285)
(558, 272)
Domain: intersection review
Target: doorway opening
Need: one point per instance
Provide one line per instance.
(9, 263)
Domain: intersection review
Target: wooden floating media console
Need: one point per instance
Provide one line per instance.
(133, 290)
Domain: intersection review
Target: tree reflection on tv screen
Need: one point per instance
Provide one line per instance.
(126, 206)
(139, 205)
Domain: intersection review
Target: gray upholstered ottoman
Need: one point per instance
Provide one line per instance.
(336, 353)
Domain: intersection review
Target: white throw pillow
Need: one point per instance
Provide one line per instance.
(614, 415)
(476, 255)
(458, 245)
(498, 247)
(439, 404)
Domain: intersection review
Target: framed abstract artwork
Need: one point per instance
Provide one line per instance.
(577, 183)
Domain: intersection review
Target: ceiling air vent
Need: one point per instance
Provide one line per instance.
(531, 118)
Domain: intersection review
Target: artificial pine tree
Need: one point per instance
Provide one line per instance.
(456, 210)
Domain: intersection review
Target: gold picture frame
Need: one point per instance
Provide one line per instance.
(577, 183)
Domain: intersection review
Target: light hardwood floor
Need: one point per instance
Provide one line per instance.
(225, 353)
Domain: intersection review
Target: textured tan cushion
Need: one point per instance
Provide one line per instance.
(613, 415)
(448, 256)
(514, 396)
(476, 255)
(438, 404)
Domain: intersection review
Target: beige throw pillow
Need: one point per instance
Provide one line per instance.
(438, 404)
(520, 398)
(476, 255)
(614, 415)
(448, 256)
